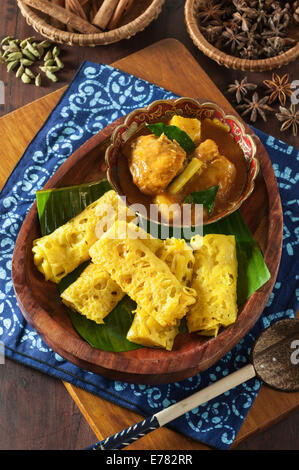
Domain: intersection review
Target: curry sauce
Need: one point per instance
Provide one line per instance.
(227, 170)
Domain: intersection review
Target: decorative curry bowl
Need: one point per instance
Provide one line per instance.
(191, 108)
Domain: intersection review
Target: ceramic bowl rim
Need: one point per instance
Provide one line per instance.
(206, 104)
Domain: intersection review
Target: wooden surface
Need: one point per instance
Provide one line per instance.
(95, 409)
(54, 422)
(191, 353)
(169, 24)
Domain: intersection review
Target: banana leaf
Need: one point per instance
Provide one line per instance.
(57, 206)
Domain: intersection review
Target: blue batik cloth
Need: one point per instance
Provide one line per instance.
(98, 95)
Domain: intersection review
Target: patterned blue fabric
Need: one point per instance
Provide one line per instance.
(98, 95)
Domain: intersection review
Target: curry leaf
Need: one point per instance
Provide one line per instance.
(173, 133)
(206, 198)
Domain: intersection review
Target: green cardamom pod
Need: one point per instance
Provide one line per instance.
(25, 78)
(26, 62)
(32, 50)
(12, 65)
(48, 56)
(14, 56)
(59, 62)
(25, 41)
(53, 68)
(45, 44)
(29, 73)
(40, 49)
(49, 63)
(56, 51)
(20, 71)
(11, 48)
(43, 69)
(51, 76)
(7, 39)
(14, 42)
(28, 55)
(38, 80)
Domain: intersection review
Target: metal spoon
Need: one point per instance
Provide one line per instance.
(275, 361)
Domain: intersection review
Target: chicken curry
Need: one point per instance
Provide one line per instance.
(157, 169)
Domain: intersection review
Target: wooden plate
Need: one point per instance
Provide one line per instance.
(41, 306)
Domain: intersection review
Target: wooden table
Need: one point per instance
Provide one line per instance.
(55, 422)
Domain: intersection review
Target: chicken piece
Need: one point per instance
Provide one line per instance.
(154, 162)
(207, 150)
(220, 172)
(192, 127)
(217, 169)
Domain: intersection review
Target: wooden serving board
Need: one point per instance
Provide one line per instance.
(42, 307)
(181, 74)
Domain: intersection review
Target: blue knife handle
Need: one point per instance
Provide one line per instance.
(127, 436)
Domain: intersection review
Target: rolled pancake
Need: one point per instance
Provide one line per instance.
(62, 251)
(143, 276)
(145, 330)
(215, 281)
(94, 294)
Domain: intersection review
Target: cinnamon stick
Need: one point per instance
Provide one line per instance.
(105, 13)
(75, 7)
(61, 14)
(122, 7)
(54, 22)
(93, 8)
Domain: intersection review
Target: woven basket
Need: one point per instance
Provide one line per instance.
(225, 59)
(139, 23)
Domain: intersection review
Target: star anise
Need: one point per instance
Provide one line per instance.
(210, 11)
(281, 16)
(255, 106)
(240, 88)
(279, 88)
(274, 29)
(251, 29)
(290, 118)
(211, 32)
(261, 17)
(240, 5)
(234, 40)
(248, 52)
(244, 18)
(280, 44)
(296, 11)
